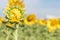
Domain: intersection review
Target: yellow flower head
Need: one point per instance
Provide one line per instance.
(15, 15)
(13, 1)
(58, 22)
(42, 22)
(1, 21)
(14, 10)
(51, 24)
(30, 19)
(16, 2)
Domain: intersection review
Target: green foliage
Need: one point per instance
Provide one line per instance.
(35, 32)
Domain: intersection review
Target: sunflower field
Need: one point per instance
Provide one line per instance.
(16, 25)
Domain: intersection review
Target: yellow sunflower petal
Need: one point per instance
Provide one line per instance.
(1, 21)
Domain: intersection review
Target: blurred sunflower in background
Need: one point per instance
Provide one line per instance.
(30, 19)
(58, 22)
(52, 24)
(42, 21)
(16, 2)
(20, 3)
(1, 20)
(11, 2)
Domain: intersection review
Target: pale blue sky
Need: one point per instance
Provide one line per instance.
(42, 8)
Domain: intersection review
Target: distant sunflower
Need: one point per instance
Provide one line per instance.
(42, 21)
(51, 24)
(16, 2)
(58, 22)
(30, 19)
(20, 3)
(1, 21)
(11, 2)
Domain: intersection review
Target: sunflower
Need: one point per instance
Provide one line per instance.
(52, 24)
(20, 3)
(13, 2)
(42, 21)
(30, 19)
(58, 22)
(1, 21)
(14, 13)
(16, 2)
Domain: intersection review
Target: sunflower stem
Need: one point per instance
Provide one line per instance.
(16, 32)
(7, 37)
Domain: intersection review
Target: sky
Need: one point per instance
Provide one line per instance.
(42, 8)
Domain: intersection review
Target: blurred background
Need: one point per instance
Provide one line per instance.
(42, 8)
